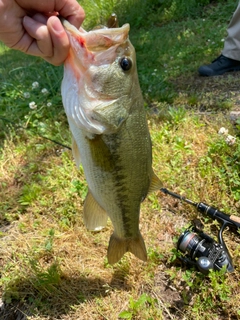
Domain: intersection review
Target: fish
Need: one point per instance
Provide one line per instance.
(110, 137)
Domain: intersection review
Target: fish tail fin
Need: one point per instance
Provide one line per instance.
(118, 247)
(138, 248)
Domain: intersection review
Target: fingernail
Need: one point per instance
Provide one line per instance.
(56, 24)
(27, 21)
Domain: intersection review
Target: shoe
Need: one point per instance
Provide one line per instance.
(219, 66)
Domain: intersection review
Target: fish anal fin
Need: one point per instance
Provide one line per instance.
(94, 216)
(155, 184)
(118, 247)
(75, 152)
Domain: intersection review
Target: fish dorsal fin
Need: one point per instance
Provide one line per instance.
(75, 152)
(155, 184)
(94, 216)
(113, 21)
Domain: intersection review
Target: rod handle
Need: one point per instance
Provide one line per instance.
(235, 218)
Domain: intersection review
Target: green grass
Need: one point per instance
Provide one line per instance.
(51, 266)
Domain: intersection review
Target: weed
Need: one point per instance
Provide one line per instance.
(227, 160)
(29, 194)
(45, 279)
(50, 264)
(177, 115)
(49, 242)
(212, 294)
(79, 187)
(136, 306)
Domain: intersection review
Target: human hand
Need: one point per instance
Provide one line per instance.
(33, 27)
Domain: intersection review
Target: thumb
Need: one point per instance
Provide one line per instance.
(60, 41)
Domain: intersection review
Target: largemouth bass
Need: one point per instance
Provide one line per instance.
(105, 110)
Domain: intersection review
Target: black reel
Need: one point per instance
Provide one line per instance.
(201, 251)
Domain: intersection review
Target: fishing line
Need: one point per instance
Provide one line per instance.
(37, 134)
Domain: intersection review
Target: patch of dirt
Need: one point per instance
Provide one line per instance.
(168, 293)
(210, 93)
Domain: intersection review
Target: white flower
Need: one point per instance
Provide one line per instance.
(223, 131)
(35, 85)
(49, 104)
(26, 95)
(230, 140)
(32, 105)
(44, 91)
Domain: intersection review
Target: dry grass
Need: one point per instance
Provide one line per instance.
(53, 268)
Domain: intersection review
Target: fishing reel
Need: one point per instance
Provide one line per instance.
(203, 252)
(198, 248)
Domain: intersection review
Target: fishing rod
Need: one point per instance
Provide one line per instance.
(37, 134)
(201, 250)
(225, 219)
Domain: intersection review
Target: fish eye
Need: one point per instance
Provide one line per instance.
(126, 63)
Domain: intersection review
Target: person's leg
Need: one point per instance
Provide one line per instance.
(229, 60)
(232, 42)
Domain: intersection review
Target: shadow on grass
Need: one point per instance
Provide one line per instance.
(27, 297)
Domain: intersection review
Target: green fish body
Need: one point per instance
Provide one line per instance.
(105, 110)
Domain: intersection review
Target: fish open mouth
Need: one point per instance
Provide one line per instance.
(97, 39)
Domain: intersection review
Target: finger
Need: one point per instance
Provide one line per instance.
(71, 11)
(40, 18)
(41, 44)
(60, 41)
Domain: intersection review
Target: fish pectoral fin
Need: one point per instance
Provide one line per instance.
(118, 247)
(155, 184)
(75, 152)
(111, 116)
(94, 216)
